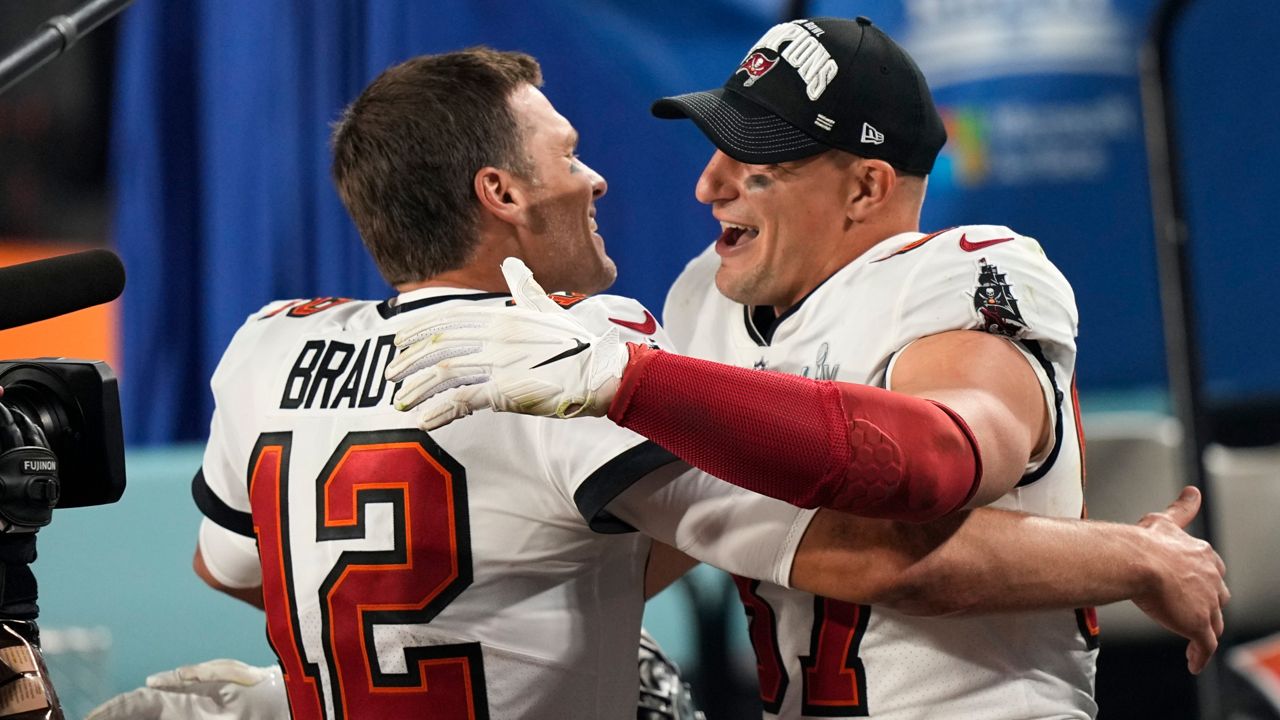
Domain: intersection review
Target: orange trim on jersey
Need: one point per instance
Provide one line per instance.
(565, 300)
(1087, 618)
(278, 451)
(453, 515)
(282, 308)
(316, 305)
(568, 299)
(855, 699)
(425, 663)
(913, 245)
(843, 692)
(1084, 481)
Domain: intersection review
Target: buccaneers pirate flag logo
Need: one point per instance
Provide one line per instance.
(756, 65)
(994, 301)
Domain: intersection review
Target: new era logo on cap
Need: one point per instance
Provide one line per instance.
(871, 136)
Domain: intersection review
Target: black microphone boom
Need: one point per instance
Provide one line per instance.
(43, 289)
(54, 37)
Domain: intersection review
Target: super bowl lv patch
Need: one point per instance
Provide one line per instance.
(994, 301)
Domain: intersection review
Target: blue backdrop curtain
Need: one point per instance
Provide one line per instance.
(221, 160)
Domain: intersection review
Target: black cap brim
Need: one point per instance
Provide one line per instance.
(743, 130)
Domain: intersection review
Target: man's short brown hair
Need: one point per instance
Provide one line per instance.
(406, 152)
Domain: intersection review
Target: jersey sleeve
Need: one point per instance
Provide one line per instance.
(220, 487)
(717, 523)
(985, 278)
(231, 558)
(591, 460)
(989, 278)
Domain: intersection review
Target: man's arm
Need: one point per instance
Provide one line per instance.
(666, 565)
(979, 561)
(989, 560)
(987, 381)
(966, 414)
(251, 595)
(903, 455)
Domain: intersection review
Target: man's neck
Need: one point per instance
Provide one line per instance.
(464, 278)
(852, 247)
(482, 272)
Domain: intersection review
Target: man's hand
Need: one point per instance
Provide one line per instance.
(535, 358)
(1189, 590)
(212, 690)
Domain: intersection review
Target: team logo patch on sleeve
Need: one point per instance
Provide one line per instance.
(994, 301)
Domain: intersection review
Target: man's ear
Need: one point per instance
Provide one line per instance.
(502, 194)
(872, 184)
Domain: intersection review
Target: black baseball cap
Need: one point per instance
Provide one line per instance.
(811, 85)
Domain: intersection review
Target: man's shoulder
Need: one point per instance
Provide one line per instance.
(303, 312)
(986, 277)
(960, 256)
(995, 253)
(958, 244)
(279, 325)
(635, 322)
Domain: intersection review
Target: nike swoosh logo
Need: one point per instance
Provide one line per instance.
(567, 353)
(648, 327)
(967, 246)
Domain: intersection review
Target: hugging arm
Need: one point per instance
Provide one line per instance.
(972, 562)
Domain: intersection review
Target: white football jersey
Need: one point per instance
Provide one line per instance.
(823, 658)
(468, 573)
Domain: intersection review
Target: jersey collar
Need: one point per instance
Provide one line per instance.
(425, 297)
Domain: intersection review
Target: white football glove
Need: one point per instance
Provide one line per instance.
(212, 690)
(535, 358)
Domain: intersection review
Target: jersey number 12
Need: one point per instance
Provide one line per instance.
(426, 568)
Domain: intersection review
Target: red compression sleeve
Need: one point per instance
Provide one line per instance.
(842, 446)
